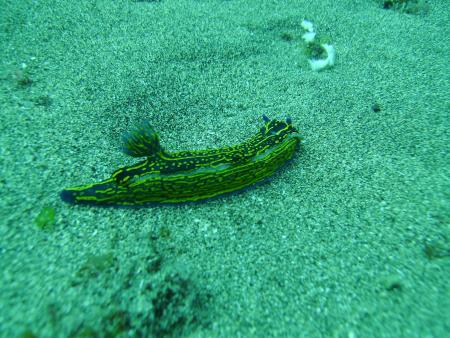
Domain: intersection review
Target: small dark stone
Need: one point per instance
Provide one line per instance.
(43, 101)
(388, 4)
(376, 107)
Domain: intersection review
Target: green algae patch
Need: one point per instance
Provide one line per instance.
(28, 334)
(46, 218)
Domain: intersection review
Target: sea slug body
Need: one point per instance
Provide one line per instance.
(176, 177)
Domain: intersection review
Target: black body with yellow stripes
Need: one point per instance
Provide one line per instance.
(185, 176)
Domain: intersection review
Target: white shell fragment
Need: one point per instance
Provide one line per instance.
(319, 64)
(307, 25)
(309, 36)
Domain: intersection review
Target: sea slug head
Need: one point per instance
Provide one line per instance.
(277, 130)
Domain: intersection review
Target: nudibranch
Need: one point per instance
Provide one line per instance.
(176, 177)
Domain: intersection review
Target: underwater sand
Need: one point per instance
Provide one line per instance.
(352, 239)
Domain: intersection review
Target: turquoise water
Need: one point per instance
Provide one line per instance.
(352, 239)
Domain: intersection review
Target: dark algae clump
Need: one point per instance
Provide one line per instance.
(437, 248)
(168, 305)
(406, 6)
(143, 296)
